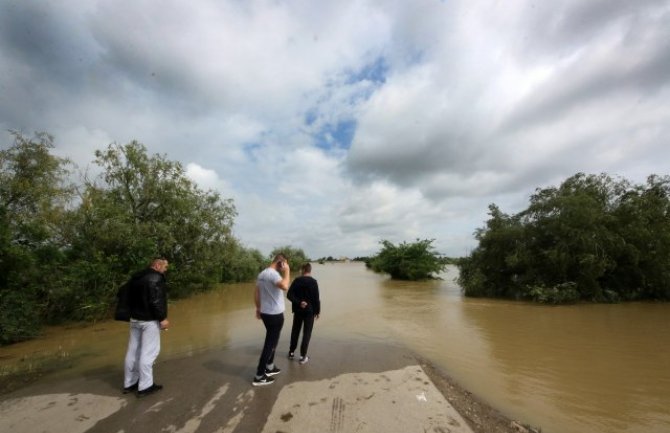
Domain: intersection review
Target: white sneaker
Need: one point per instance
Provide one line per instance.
(304, 359)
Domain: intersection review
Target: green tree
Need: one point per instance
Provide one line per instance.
(34, 194)
(592, 238)
(63, 259)
(408, 261)
(492, 269)
(643, 250)
(240, 264)
(141, 207)
(573, 225)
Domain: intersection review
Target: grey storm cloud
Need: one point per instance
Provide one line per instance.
(356, 119)
(637, 61)
(41, 38)
(44, 60)
(593, 52)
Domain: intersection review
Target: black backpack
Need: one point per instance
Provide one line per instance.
(122, 311)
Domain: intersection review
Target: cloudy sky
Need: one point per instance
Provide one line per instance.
(335, 124)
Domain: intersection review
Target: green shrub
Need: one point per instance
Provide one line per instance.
(592, 238)
(414, 261)
(241, 264)
(19, 317)
(565, 293)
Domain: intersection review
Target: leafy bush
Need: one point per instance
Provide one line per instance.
(561, 294)
(241, 264)
(19, 317)
(414, 261)
(592, 239)
(33, 195)
(63, 258)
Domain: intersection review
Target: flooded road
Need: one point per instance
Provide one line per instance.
(569, 369)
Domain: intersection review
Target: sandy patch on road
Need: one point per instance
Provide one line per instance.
(404, 400)
(56, 413)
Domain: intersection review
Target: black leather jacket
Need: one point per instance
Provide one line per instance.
(147, 296)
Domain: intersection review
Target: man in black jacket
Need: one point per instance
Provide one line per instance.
(306, 305)
(147, 302)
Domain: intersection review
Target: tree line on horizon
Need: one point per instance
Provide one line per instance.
(66, 246)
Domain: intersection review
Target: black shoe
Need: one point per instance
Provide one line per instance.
(291, 355)
(153, 388)
(272, 372)
(264, 380)
(131, 388)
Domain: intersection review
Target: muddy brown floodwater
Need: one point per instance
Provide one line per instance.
(568, 369)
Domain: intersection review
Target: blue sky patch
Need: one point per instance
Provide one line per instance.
(339, 135)
(310, 117)
(250, 150)
(375, 72)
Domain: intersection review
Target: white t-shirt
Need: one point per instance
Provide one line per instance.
(272, 297)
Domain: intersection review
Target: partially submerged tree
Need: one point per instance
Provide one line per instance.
(144, 206)
(408, 261)
(63, 256)
(240, 264)
(592, 238)
(34, 194)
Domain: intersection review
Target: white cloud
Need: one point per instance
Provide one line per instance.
(206, 179)
(455, 104)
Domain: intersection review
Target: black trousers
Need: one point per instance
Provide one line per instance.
(305, 321)
(273, 324)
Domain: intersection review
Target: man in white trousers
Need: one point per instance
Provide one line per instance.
(147, 302)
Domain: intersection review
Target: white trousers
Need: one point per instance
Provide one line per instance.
(143, 348)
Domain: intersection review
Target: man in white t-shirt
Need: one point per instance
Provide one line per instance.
(271, 285)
